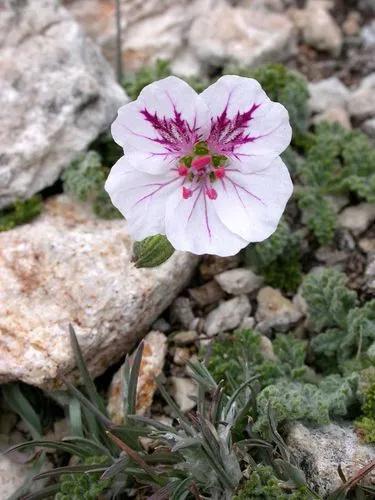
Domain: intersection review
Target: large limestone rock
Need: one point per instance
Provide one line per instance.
(57, 94)
(239, 35)
(69, 267)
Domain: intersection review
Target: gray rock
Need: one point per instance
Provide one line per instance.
(69, 267)
(181, 312)
(319, 452)
(362, 102)
(248, 323)
(239, 281)
(327, 94)
(275, 311)
(184, 391)
(57, 94)
(181, 356)
(357, 218)
(228, 315)
(367, 245)
(154, 352)
(240, 35)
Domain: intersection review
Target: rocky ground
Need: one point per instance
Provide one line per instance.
(69, 266)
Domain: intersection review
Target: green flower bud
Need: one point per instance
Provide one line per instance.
(152, 251)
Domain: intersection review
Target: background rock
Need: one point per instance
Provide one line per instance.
(238, 281)
(326, 94)
(319, 451)
(275, 311)
(228, 315)
(69, 267)
(154, 352)
(53, 108)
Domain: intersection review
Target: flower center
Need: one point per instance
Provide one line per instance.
(201, 168)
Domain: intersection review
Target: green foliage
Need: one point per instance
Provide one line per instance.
(85, 486)
(278, 258)
(336, 161)
(345, 330)
(134, 83)
(285, 86)
(313, 403)
(366, 424)
(263, 484)
(20, 212)
(84, 179)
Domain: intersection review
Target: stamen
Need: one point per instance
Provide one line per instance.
(220, 173)
(199, 162)
(211, 193)
(186, 192)
(182, 170)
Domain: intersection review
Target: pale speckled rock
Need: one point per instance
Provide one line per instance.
(334, 115)
(326, 94)
(319, 29)
(275, 311)
(357, 218)
(227, 315)
(239, 281)
(184, 391)
(362, 102)
(239, 35)
(69, 267)
(319, 451)
(154, 352)
(57, 94)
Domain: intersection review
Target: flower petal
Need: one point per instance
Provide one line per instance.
(141, 197)
(192, 225)
(251, 204)
(244, 121)
(163, 123)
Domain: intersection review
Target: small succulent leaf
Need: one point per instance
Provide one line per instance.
(67, 447)
(71, 469)
(47, 492)
(20, 405)
(75, 417)
(115, 468)
(85, 375)
(152, 251)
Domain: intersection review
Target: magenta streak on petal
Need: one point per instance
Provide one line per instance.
(158, 188)
(174, 133)
(235, 185)
(229, 133)
(206, 215)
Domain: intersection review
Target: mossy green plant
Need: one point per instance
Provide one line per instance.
(264, 485)
(20, 212)
(343, 330)
(84, 180)
(278, 258)
(336, 162)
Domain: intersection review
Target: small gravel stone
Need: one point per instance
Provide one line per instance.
(185, 337)
(362, 103)
(247, 323)
(207, 294)
(266, 348)
(334, 115)
(181, 312)
(370, 273)
(368, 127)
(181, 356)
(228, 315)
(275, 311)
(358, 218)
(367, 245)
(239, 281)
(327, 94)
(183, 390)
(213, 265)
(161, 325)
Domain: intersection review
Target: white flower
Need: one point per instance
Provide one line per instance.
(202, 169)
